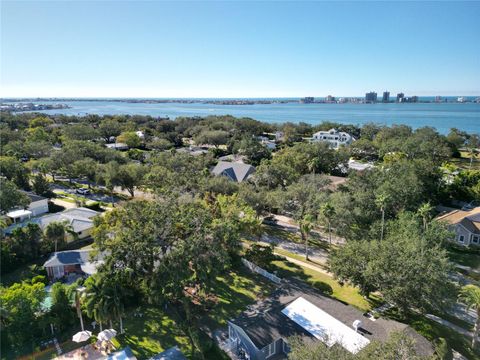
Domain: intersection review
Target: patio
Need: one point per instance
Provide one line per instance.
(84, 352)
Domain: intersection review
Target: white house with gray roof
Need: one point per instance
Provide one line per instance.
(235, 171)
(80, 219)
(80, 262)
(333, 137)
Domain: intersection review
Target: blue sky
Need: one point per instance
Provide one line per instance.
(238, 49)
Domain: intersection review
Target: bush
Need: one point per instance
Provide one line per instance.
(442, 350)
(323, 287)
(54, 208)
(39, 279)
(93, 205)
(261, 255)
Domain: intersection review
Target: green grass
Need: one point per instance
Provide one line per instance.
(432, 330)
(157, 331)
(464, 161)
(235, 291)
(322, 281)
(151, 334)
(465, 257)
(24, 272)
(314, 239)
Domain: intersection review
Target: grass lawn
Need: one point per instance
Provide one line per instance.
(315, 240)
(465, 257)
(464, 161)
(432, 330)
(24, 272)
(235, 291)
(157, 331)
(322, 281)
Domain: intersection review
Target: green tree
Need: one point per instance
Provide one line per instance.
(473, 144)
(381, 201)
(56, 234)
(10, 196)
(109, 128)
(409, 267)
(130, 176)
(61, 312)
(470, 295)
(250, 147)
(21, 309)
(425, 212)
(41, 186)
(398, 346)
(13, 170)
(328, 212)
(82, 132)
(86, 168)
(212, 137)
(306, 225)
(130, 138)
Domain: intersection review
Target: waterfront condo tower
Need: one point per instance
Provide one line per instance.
(371, 97)
(386, 97)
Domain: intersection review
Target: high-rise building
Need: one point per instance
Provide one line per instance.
(330, 98)
(386, 97)
(400, 97)
(307, 100)
(371, 97)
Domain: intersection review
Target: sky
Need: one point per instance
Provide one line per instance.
(238, 49)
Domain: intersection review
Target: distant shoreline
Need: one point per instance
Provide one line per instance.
(249, 101)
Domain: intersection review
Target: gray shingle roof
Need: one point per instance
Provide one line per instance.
(236, 171)
(264, 322)
(79, 218)
(34, 197)
(71, 257)
(173, 353)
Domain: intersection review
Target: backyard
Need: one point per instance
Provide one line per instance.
(150, 330)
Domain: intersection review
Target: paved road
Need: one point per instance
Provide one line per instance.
(314, 253)
(288, 224)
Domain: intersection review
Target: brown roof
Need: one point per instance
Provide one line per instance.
(455, 216)
(469, 219)
(335, 181)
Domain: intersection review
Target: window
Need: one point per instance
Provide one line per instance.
(286, 348)
(270, 350)
(461, 238)
(475, 239)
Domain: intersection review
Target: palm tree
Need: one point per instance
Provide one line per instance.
(328, 212)
(381, 202)
(93, 301)
(306, 224)
(425, 211)
(111, 301)
(57, 232)
(472, 145)
(470, 295)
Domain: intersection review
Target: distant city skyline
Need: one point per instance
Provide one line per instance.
(238, 49)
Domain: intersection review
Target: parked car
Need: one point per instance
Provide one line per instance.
(83, 191)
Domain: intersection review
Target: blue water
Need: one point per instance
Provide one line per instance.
(443, 116)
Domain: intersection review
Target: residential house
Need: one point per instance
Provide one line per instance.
(38, 206)
(295, 309)
(235, 171)
(465, 225)
(117, 146)
(80, 219)
(80, 262)
(173, 353)
(334, 137)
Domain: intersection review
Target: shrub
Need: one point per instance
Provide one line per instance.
(261, 255)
